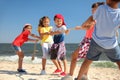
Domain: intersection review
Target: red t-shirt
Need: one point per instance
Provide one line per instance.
(23, 37)
(89, 33)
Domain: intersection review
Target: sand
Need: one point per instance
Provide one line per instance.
(8, 72)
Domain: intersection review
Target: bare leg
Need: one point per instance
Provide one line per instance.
(84, 68)
(118, 63)
(86, 72)
(43, 63)
(59, 64)
(73, 61)
(20, 60)
(65, 65)
(56, 64)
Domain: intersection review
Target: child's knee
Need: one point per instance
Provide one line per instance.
(74, 60)
(21, 55)
(74, 56)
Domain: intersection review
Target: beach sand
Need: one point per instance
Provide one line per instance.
(8, 72)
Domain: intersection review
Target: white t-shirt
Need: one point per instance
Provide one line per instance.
(59, 37)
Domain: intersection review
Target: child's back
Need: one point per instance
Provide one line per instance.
(105, 33)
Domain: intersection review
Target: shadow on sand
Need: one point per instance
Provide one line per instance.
(17, 74)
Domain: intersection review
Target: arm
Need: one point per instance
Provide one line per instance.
(55, 32)
(41, 34)
(35, 36)
(88, 24)
(59, 32)
(33, 40)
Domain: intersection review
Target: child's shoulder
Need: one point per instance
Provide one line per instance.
(64, 27)
(26, 32)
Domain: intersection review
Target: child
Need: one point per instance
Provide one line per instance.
(19, 41)
(82, 49)
(104, 39)
(46, 40)
(58, 50)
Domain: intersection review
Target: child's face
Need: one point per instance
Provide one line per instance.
(29, 28)
(93, 10)
(108, 1)
(58, 22)
(46, 22)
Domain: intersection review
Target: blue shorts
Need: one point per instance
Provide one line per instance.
(95, 51)
(17, 48)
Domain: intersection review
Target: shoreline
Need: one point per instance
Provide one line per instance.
(8, 72)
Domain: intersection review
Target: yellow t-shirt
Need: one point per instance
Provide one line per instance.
(46, 38)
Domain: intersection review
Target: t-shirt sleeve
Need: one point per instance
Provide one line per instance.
(63, 28)
(26, 33)
(40, 29)
(53, 29)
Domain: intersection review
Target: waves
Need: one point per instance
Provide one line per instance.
(7, 52)
(37, 60)
(27, 59)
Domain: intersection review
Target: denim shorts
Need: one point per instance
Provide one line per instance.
(17, 48)
(95, 51)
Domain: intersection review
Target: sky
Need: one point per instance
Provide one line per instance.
(15, 13)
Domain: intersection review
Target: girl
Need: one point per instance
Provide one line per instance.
(83, 48)
(46, 40)
(19, 41)
(58, 50)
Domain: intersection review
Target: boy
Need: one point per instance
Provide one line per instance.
(104, 39)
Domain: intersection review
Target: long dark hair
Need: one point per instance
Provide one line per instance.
(116, 0)
(41, 21)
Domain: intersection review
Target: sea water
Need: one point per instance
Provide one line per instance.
(7, 52)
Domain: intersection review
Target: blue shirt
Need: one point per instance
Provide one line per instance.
(107, 24)
(60, 37)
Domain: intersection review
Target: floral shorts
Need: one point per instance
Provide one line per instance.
(58, 51)
(84, 47)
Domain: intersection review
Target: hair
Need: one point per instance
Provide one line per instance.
(60, 17)
(41, 21)
(25, 26)
(116, 0)
(94, 5)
